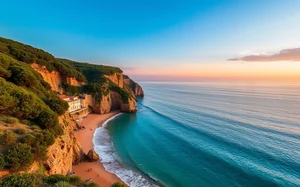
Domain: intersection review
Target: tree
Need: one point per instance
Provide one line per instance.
(57, 105)
(8, 138)
(19, 157)
(28, 139)
(40, 153)
(47, 119)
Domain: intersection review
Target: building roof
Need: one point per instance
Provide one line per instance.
(67, 97)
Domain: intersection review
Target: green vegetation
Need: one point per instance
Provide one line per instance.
(118, 184)
(2, 161)
(57, 105)
(20, 131)
(29, 99)
(125, 95)
(22, 180)
(8, 138)
(34, 180)
(24, 104)
(29, 108)
(98, 85)
(132, 84)
(93, 72)
(28, 54)
(19, 157)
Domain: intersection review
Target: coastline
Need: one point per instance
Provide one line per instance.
(85, 137)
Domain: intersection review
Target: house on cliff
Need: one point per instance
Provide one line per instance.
(76, 104)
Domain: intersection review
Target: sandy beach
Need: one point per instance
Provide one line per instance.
(98, 174)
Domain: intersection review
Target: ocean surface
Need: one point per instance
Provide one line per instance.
(206, 134)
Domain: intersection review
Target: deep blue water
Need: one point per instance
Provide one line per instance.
(207, 134)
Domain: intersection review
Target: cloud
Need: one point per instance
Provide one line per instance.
(283, 55)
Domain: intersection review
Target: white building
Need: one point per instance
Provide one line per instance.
(73, 101)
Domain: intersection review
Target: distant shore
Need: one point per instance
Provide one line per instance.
(85, 137)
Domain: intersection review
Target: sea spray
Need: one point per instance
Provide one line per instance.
(111, 161)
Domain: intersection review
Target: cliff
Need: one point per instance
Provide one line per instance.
(65, 151)
(116, 78)
(30, 100)
(112, 101)
(55, 78)
(135, 87)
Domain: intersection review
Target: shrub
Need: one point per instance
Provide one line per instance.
(28, 139)
(20, 131)
(53, 179)
(62, 184)
(44, 138)
(47, 119)
(12, 120)
(57, 105)
(40, 152)
(6, 101)
(118, 184)
(74, 180)
(2, 161)
(22, 77)
(8, 138)
(19, 157)
(22, 180)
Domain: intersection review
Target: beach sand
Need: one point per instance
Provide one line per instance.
(98, 174)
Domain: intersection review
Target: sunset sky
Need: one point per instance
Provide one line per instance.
(165, 40)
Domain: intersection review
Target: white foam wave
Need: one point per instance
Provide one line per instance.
(112, 162)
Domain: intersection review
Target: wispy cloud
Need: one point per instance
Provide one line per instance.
(283, 55)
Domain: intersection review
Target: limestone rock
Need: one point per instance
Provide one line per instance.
(92, 155)
(54, 78)
(65, 151)
(135, 87)
(116, 78)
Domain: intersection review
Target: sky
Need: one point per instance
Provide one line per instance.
(165, 39)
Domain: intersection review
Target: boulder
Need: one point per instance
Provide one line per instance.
(92, 155)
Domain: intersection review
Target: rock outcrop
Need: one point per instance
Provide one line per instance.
(135, 87)
(116, 78)
(92, 155)
(54, 78)
(65, 151)
(112, 101)
(102, 107)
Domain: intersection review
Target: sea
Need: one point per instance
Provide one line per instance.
(206, 134)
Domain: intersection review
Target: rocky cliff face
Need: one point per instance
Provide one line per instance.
(112, 101)
(116, 78)
(100, 108)
(117, 103)
(54, 78)
(65, 151)
(135, 87)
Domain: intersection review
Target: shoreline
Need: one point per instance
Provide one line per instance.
(85, 138)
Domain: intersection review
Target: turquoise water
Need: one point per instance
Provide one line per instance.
(207, 134)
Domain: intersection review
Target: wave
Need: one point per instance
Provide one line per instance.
(111, 161)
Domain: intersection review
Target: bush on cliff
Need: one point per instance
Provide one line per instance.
(34, 180)
(2, 161)
(28, 139)
(24, 104)
(8, 138)
(22, 180)
(19, 157)
(118, 184)
(29, 54)
(57, 105)
(74, 180)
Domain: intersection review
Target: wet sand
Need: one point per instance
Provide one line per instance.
(85, 137)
